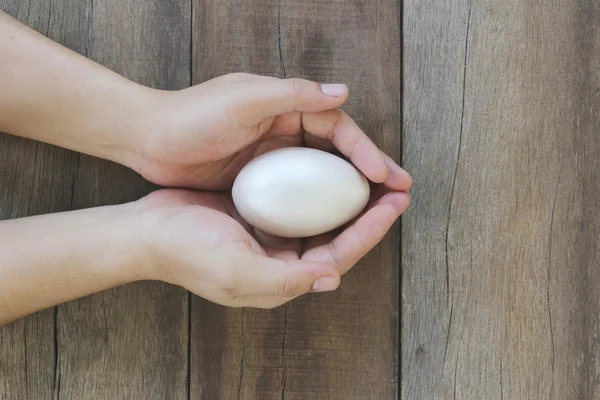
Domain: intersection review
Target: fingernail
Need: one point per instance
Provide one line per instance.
(393, 165)
(402, 171)
(334, 89)
(325, 284)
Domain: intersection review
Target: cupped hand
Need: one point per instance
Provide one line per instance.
(198, 241)
(202, 136)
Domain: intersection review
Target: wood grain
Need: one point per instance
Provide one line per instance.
(130, 342)
(499, 249)
(500, 285)
(133, 342)
(433, 88)
(337, 346)
(35, 178)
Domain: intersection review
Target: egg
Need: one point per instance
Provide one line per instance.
(298, 192)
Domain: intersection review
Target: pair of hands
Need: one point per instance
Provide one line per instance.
(200, 138)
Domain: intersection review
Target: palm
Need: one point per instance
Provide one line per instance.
(213, 163)
(342, 250)
(220, 219)
(220, 173)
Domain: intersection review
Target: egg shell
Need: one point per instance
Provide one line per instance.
(299, 192)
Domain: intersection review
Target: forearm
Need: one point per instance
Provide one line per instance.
(48, 260)
(52, 94)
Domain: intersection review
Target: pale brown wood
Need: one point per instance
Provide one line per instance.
(130, 342)
(35, 178)
(500, 281)
(433, 85)
(133, 341)
(341, 345)
(126, 343)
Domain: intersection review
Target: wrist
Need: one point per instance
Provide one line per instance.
(129, 243)
(147, 122)
(141, 227)
(124, 128)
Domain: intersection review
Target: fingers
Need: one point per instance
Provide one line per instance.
(320, 144)
(289, 124)
(361, 237)
(314, 107)
(271, 277)
(338, 128)
(320, 240)
(277, 247)
(398, 180)
(265, 97)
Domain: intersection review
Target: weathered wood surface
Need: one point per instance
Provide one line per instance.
(130, 342)
(338, 346)
(152, 341)
(500, 281)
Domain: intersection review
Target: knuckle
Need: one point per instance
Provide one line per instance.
(286, 288)
(231, 114)
(360, 242)
(296, 85)
(336, 120)
(231, 292)
(226, 280)
(334, 255)
(357, 141)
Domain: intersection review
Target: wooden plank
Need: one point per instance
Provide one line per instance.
(518, 319)
(35, 178)
(130, 342)
(433, 82)
(334, 346)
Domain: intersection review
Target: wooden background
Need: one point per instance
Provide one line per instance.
(153, 341)
(493, 107)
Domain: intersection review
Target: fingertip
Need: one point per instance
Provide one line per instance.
(334, 89)
(316, 269)
(327, 279)
(409, 180)
(326, 284)
(314, 276)
(399, 201)
(377, 221)
(384, 172)
(265, 98)
(398, 178)
(310, 96)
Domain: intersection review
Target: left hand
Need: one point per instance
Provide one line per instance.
(202, 136)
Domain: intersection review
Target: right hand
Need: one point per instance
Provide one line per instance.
(198, 241)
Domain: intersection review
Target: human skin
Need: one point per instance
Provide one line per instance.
(197, 138)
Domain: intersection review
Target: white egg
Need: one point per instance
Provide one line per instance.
(299, 192)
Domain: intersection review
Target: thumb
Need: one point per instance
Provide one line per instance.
(267, 97)
(268, 276)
